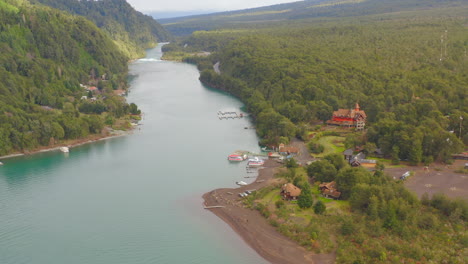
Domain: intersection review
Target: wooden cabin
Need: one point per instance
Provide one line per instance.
(290, 192)
(328, 189)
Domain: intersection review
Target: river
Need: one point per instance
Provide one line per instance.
(133, 199)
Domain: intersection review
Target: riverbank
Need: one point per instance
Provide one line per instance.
(71, 143)
(254, 229)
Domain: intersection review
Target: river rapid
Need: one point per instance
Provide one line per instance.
(133, 199)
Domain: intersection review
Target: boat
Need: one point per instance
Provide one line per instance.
(237, 157)
(1, 163)
(64, 149)
(255, 162)
(241, 183)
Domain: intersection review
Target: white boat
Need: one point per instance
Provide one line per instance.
(255, 162)
(1, 163)
(64, 149)
(237, 157)
(241, 183)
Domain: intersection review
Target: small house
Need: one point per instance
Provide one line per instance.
(288, 150)
(328, 190)
(348, 154)
(290, 192)
(360, 160)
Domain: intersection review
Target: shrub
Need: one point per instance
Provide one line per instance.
(279, 204)
(263, 210)
(305, 199)
(291, 163)
(347, 228)
(319, 207)
(427, 221)
(316, 148)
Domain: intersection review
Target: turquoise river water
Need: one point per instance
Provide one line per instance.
(134, 199)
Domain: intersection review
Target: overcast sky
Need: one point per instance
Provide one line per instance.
(146, 6)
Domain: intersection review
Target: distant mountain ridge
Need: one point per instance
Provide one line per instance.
(132, 31)
(295, 11)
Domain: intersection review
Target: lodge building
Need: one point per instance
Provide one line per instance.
(349, 118)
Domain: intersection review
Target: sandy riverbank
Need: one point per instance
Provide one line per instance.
(254, 228)
(70, 143)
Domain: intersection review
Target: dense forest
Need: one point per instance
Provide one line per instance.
(47, 59)
(408, 72)
(132, 31)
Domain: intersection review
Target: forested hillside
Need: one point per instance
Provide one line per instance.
(132, 31)
(277, 14)
(407, 67)
(408, 71)
(44, 56)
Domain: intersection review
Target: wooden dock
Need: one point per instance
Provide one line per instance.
(213, 206)
(230, 115)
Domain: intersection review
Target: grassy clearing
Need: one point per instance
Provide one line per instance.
(310, 230)
(387, 162)
(332, 144)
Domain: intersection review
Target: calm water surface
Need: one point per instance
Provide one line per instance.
(134, 199)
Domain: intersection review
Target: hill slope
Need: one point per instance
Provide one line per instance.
(131, 30)
(265, 16)
(44, 56)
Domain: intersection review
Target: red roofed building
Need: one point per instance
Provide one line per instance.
(349, 117)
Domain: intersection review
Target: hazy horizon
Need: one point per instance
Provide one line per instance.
(201, 6)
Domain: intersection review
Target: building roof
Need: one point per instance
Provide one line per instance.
(328, 185)
(351, 113)
(355, 113)
(360, 156)
(291, 190)
(289, 149)
(333, 193)
(329, 189)
(348, 152)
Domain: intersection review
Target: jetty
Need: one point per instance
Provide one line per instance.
(213, 206)
(249, 154)
(230, 115)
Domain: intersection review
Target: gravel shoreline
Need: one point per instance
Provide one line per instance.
(70, 144)
(253, 228)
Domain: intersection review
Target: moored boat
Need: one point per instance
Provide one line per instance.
(255, 162)
(235, 157)
(241, 183)
(64, 149)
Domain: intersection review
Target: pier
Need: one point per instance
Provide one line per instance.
(213, 206)
(230, 115)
